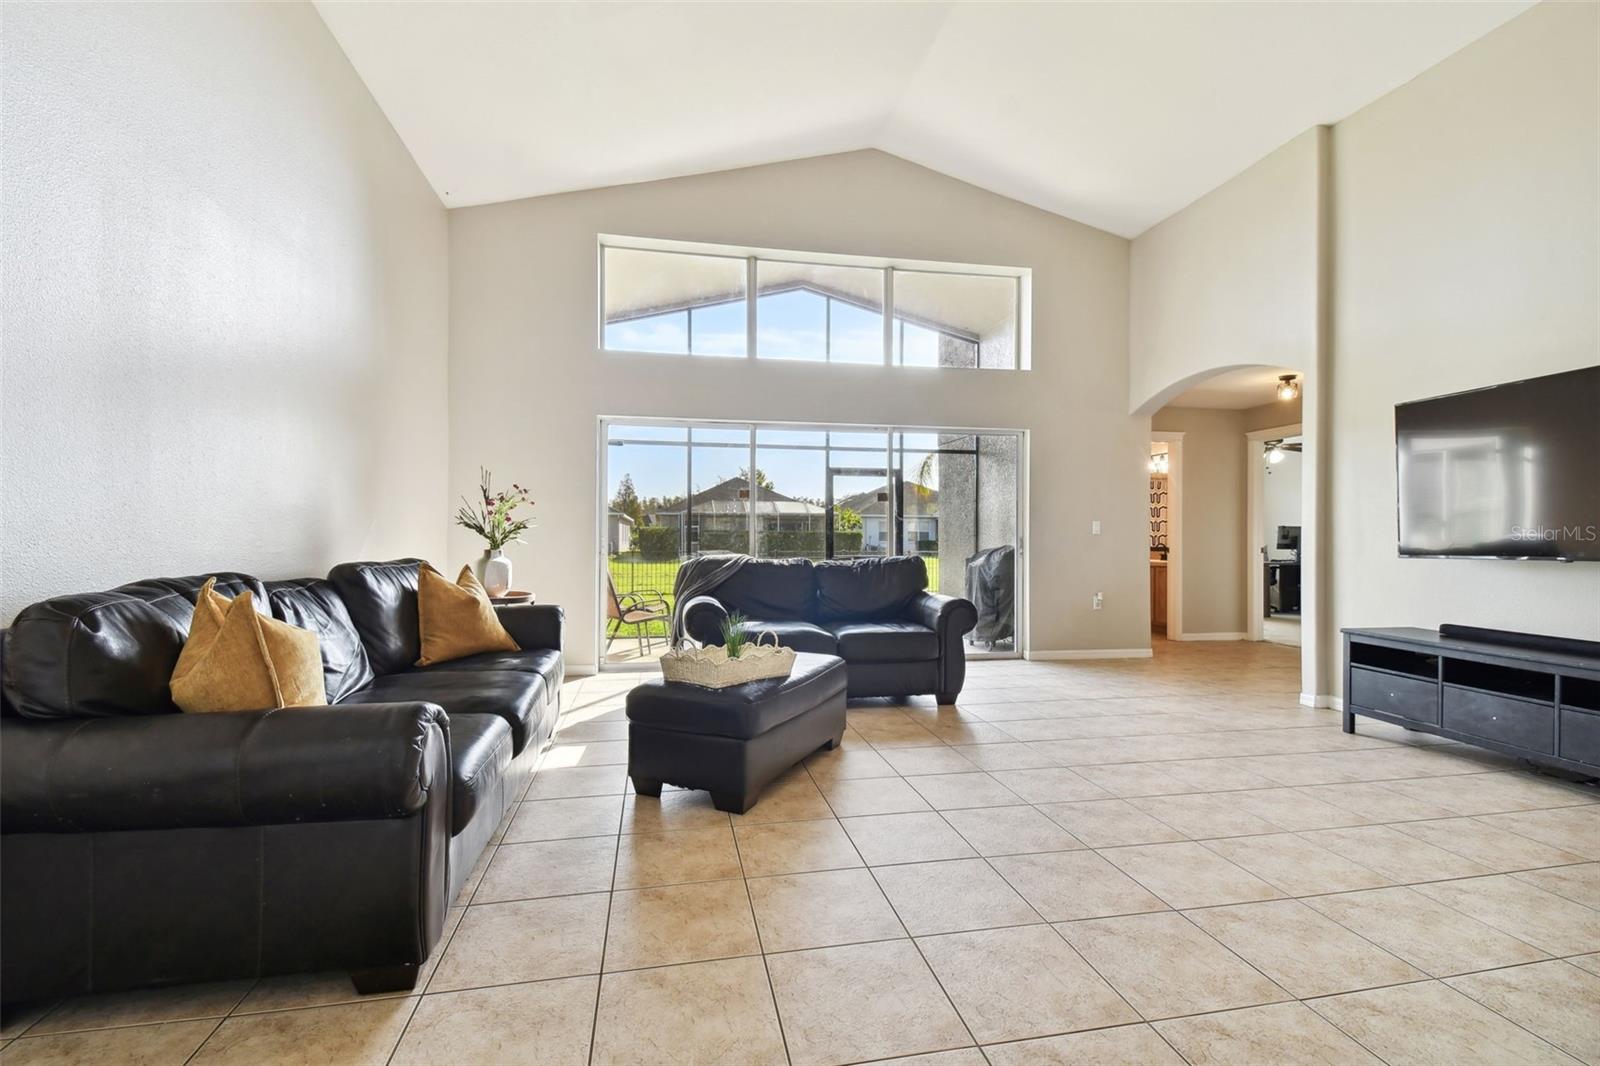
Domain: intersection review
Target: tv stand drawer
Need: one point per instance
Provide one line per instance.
(1520, 723)
(1407, 697)
(1580, 736)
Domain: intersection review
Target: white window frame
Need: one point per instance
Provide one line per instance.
(1022, 276)
(604, 423)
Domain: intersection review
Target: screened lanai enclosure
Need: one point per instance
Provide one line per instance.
(681, 489)
(724, 305)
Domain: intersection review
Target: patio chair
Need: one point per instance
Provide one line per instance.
(638, 609)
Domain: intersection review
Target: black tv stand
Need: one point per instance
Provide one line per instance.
(1531, 696)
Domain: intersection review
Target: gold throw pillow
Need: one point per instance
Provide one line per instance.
(458, 619)
(238, 660)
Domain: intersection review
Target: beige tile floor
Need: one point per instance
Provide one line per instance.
(1159, 861)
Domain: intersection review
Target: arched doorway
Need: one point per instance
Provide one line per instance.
(1221, 567)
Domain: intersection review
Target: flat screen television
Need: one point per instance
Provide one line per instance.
(1507, 472)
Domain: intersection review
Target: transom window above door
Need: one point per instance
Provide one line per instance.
(719, 301)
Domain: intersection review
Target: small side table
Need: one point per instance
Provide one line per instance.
(512, 598)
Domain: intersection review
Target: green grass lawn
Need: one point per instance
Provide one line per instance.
(630, 574)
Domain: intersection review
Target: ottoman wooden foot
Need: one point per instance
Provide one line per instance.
(834, 743)
(646, 787)
(946, 698)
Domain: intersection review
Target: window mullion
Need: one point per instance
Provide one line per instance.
(888, 315)
(1016, 331)
(750, 307)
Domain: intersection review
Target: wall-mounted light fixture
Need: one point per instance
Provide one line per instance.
(1158, 463)
(1288, 388)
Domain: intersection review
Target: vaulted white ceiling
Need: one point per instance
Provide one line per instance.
(1115, 114)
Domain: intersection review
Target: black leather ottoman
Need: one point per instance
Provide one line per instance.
(734, 741)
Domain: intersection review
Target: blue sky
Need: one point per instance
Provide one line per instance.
(789, 325)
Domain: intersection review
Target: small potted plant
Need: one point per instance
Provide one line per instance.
(494, 519)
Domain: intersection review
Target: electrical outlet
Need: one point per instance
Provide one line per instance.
(1099, 600)
(1094, 527)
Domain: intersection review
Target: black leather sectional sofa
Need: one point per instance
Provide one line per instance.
(896, 638)
(142, 846)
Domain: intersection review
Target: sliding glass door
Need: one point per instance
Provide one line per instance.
(673, 490)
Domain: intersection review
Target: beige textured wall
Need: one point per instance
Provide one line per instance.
(1212, 522)
(224, 303)
(1467, 252)
(1231, 280)
(528, 382)
(1273, 415)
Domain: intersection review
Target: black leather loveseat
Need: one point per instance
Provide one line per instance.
(142, 846)
(895, 638)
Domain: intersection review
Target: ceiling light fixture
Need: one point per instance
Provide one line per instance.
(1158, 464)
(1288, 388)
(1275, 451)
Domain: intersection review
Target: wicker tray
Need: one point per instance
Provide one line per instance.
(711, 667)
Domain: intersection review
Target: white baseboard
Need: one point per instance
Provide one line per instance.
(1214, 636)
(1324, 700)
(582, 669)
(1089, 653)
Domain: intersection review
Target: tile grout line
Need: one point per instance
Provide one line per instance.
(190, 1057)
(761, 945)
(605, 933)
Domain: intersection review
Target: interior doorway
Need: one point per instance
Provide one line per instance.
(1274, 524)
(1166, 535)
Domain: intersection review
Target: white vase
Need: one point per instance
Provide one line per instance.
(494, 571)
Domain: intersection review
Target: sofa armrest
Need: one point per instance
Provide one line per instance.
(533, 625)
(304, 764)
(702, 619)
(944, 615)
(951, 618)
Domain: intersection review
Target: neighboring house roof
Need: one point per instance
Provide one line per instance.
(920, 500)
(725, 498)
(620, 516)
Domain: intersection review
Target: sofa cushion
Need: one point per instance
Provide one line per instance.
(514, 695)
(100, 654)
(312, 603)
(456, 619)
(801, 636)
(382, 600)
(770, 588)
(545, 662)
(868, 589)
(740, 711)
(885, 642)
(236, 659)
(480, 751)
